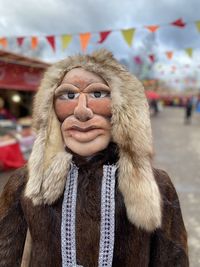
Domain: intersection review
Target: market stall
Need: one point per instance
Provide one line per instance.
(19, 79)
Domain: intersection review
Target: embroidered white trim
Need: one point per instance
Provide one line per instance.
(68, 237)
(107, 234)
(107, 231)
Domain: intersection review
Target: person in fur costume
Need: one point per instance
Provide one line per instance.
(89, 195)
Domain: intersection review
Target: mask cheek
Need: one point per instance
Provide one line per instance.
(101, 106)
(64, 109)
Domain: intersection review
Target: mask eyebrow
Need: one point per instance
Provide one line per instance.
(65, 88)
(97, 86)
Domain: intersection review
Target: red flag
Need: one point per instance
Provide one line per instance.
(152, 57)
(103, 36)
(179, 23)
(20, 40)
(138, 60)
(51, 40)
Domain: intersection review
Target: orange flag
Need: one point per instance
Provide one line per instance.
(34, 42)
(3, 42)
(169, 54)
(128, 35)
(84, 39)
(152, 28)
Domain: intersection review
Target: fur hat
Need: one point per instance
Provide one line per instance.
(131, 131)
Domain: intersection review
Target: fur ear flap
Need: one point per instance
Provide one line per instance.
(132, 132)
(140, 191)
(48, 165)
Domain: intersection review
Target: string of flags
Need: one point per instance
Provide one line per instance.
(128, 35)
(169, 55)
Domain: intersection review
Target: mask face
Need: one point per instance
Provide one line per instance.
(83, 105)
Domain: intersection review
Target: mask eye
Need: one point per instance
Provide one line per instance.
(99, 94)
(68, 96)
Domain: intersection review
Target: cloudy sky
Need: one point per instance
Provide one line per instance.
(57, 17)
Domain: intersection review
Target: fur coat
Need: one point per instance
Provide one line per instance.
(133, 246)
(149, 229)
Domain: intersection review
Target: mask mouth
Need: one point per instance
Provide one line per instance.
(82, 129)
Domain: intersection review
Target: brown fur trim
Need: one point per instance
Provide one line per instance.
(131, 131)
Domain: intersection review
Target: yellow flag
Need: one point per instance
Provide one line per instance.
(198, 25)
(84, 39)
(128, 35)
(3, 42)
(189, 51)
(65, 39)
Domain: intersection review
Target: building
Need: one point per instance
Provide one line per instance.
(19, 79)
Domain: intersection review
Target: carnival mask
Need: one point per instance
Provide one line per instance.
(83, 106)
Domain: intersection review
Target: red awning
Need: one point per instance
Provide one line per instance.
(18, 72)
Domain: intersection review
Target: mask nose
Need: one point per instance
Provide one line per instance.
(81, 111)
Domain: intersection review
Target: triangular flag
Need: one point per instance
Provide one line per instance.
(138, 60)
(20, 40)
(178, 23)
(152, 57)
(152, 28)
(3, 42)
(189, 51)
(103, 36)
(34, 42)
(84, 39)
(173, 68)
(66, 39)
(198, 25)
(169, 54)
(51, 40)
(128, 35)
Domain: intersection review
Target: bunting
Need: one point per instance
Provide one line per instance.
(128, 35)
(138, 60)
(152, 58)
(103, 36)
(178, 23)
(84, 39)
(51, 41)
(169, 54)
(3, 42)
(152, 28)
(198, 25)
(65, 39)
(34, 42)
(189, 51)
(20, 40)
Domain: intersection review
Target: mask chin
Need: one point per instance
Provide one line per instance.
(88, 149)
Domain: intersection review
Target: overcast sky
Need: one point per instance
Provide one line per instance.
(56, 17)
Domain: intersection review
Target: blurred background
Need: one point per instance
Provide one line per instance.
(157, 40)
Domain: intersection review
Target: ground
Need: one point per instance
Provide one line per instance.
(177, 151)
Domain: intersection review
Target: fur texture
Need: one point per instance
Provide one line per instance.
(131, 131)
(165, 247)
